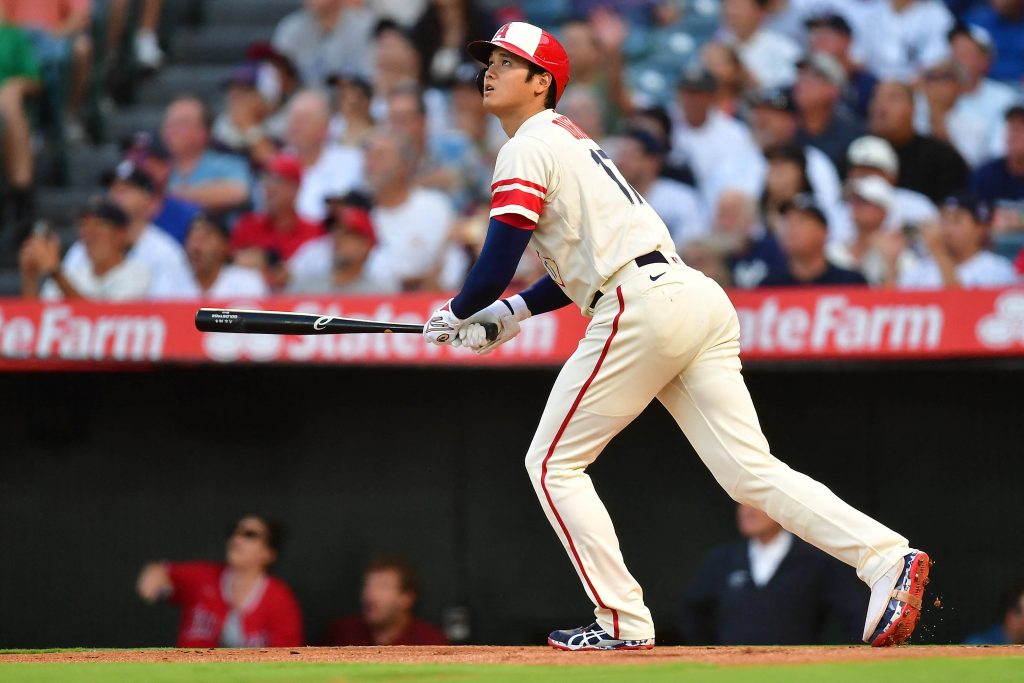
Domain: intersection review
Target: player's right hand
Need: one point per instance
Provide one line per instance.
(505, 313)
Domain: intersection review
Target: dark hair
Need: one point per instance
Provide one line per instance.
(549, 97)
(205, 113)
(1010, 599)
(276, 531)
(408, 581)
(659, 115)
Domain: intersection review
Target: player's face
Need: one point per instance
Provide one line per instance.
(383, 598)
(505, 84)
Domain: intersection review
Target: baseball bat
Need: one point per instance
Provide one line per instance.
(282, 322)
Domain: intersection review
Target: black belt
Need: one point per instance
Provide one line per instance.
(641, 261)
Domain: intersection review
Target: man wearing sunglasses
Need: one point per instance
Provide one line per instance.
(231, 604)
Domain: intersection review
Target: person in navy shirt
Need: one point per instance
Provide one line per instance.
(1004, 20)
(1003, 179)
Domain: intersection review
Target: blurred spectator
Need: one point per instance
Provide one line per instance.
(441, 34)
(1004, 21)
(231, 604)
(640, 158)
(19, 78)
(471, 119)
(277, 81)
(927, 165)
(264, 240)
(904, 37)
(327, 168)
(352, 122)
(825, 123)
(785, 179)
(751, 250)
(402, 12)
(390, 592)
(770, 589)
(324, 36)
(241, 127)
(937, 112)
(706, 256)
(215, 181)
(877, 252)
(773, 120)
(831, 34)
(446, 159)
(973, 49)
(957, 246)
(584, 106)
(336, 262)
(103, 273)
(146, 47)
(702, 132)
(594, 48)
(1011, 630)
(656, 121)
(803, 236)
(397, 65)
(59, 30)
(413, 224)
(768, 56)
(173, 215)
(724, 63)
(208, 247)
(1001, 181)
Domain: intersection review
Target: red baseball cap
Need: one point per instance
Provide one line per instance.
(533, 44)
(286, 166)
(358, 221)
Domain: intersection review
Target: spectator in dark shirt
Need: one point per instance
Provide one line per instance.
(933, 168)
(390, 591)
(1001, 181)
(831, 34)
(771, 589)
(1011, 630)
(174, 215)
(803, 236)
(824, 121)
(750, 249)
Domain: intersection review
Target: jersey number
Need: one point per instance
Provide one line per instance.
(600, 156)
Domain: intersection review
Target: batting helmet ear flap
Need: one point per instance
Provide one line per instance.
(480, 80)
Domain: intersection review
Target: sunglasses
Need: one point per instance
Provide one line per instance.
(251, 534)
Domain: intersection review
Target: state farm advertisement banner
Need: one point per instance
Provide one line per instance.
(778, 325)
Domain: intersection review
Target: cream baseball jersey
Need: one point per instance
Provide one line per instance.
(589, 221)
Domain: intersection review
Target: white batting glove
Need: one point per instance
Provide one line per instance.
(505, 313)
(442, 327)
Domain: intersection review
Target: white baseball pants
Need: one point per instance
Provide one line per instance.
(677, 339)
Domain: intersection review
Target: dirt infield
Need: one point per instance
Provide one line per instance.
(728, 656)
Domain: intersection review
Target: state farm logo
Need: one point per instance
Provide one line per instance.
(1005, 327)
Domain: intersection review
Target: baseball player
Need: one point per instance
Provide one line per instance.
(658, 329)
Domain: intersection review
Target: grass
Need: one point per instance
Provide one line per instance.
(938, 670)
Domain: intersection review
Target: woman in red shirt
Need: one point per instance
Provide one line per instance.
(234, 604)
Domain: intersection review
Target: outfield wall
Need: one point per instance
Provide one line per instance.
(102, 472)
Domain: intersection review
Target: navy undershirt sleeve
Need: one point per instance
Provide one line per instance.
(490, 275)
(543, 296)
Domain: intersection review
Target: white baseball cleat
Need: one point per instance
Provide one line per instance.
(594, 637)
(895, 604)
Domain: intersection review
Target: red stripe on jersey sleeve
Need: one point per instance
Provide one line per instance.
(521, 198)
(519, 181)
(516, 220)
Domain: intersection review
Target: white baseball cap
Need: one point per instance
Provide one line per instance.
(873, 189)
(875, 152)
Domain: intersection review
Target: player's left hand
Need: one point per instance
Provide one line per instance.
(442, 327)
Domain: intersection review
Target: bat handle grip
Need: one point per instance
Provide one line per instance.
(491, 330)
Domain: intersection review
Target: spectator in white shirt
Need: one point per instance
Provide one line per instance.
(133, 191)
(336, 262)
(985, 98)
(770, 57)
(640, 158)
(104, 273)
(937, 112)
(326, 35)
(413, 224)
(719, 150)
(328, 168)
(958, 254)
(213, 275)
(901, 38)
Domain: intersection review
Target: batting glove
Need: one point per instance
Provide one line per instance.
(505, 313)
(442, 327)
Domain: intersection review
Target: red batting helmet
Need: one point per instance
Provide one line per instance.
(533, 44)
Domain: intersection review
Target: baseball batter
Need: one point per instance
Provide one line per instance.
(659, 329)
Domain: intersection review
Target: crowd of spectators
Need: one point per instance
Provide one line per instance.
(784, 142)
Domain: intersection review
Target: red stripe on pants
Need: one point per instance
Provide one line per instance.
(551, 450)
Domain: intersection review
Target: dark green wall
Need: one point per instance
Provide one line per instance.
(102, 472)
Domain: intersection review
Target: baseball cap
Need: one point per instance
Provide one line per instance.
(127, 172)
(652, 146)
(1015, 109)
(265, 52)
(244, 75)
(773, 98)
(787, 151)
(353, 78)
(697, 78)
(106, 210)
(980, 209)
(874, 152)
(354, 219)
(873, 189)
(979, 34)
(804, 203)
(285, 166)
(533, 44)
(149, 144)
(826, 66)
(836, 22)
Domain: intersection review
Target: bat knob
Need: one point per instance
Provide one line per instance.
(491, 330)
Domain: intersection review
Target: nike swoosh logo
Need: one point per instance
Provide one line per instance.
(655, 277)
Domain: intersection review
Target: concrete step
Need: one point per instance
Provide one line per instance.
(217, 44)
(10, 282)
(130, 121)
(60, 205)
(248, 12)
(86, 163)
(205, 82)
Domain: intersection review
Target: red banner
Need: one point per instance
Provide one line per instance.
(794, 324)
